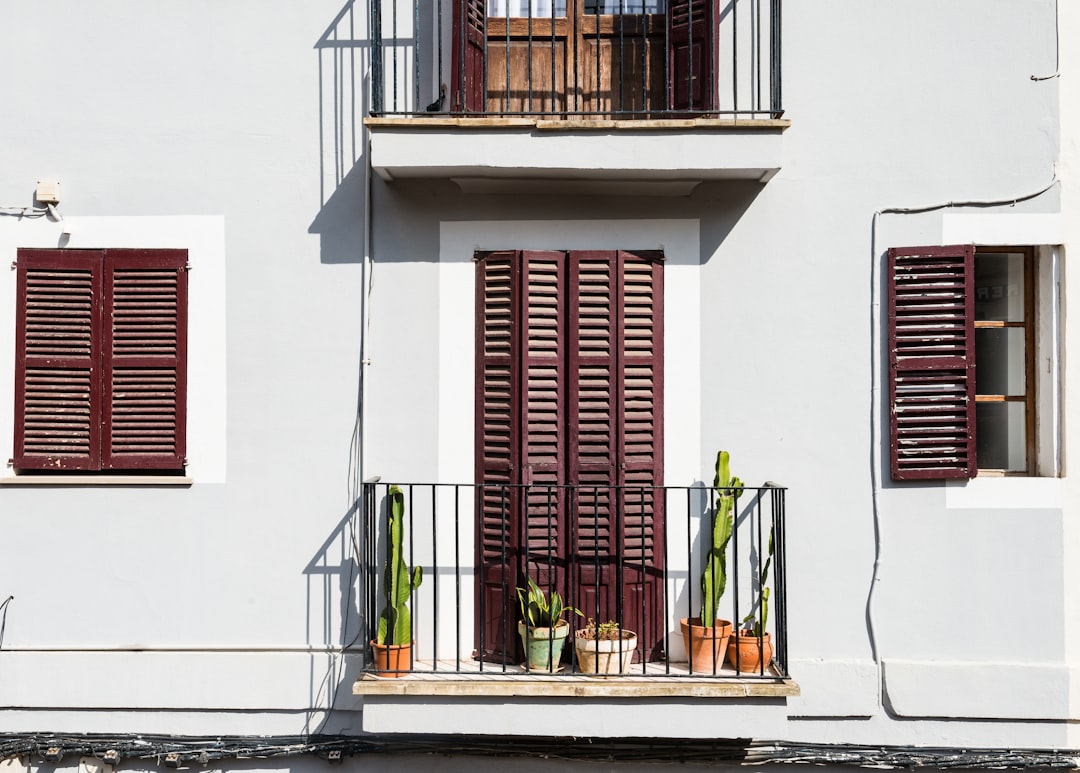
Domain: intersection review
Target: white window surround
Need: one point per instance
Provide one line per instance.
(204, 239)
(680, 241)
(1044, 231)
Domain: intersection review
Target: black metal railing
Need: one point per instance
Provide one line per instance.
(631, 554)
(576, 59)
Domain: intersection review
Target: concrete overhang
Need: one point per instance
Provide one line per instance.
(506, 155)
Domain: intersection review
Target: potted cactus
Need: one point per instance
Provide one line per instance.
(604, 648)
(706, 636)
(750, 649)
(393, 642)
(542, 629)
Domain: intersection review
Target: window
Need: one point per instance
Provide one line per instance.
(1004, 372)
(569, 392)
(963, 341)
(100, 372)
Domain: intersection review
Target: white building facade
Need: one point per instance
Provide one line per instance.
(536, 266)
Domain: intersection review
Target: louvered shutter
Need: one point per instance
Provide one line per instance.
(931, 362)
(498, 417)
(58, 360)
(144, 360)
(542, 394)
(468, 53)
(615, 398)
(693, 56)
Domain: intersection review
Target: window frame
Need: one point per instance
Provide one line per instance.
(1029, 398)
(927, 287)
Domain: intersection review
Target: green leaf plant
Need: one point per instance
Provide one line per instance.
(537, 612)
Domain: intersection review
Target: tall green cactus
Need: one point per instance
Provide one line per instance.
(395, 623)
(714, 578)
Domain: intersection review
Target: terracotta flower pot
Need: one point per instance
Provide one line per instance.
(605, 656)
(543, 646)
(705, 646)
(393, 660)
(745, 652)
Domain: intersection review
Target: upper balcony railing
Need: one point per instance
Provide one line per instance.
(577, 59)
(635, 555)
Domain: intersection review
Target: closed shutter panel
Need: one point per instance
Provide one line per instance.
(641, 387)
(498, 416)
(468, 51)
(144, 359)
(614, 398)
(57, 370)
(932, 362)
(693, 61)
(543, 443)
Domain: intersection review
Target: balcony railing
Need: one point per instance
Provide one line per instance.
(632, 554)
(577, 59)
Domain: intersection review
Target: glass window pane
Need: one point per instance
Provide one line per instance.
(1001, 436)
(1000, 361)
(623, 6)
(538, 9)
(999, 286)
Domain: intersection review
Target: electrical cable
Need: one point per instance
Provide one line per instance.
(875, 407)
(27, 212)
(3, 618)
(183, 751)
(1057, 49)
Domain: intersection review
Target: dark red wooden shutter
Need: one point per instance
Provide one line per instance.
(542, 394)
(498, 418)
(144, 359)
(57, 367)
(693, 55)
(931, 362)
(468, 52)
(615, 399)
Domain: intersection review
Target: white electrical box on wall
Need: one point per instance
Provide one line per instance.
(47, 192)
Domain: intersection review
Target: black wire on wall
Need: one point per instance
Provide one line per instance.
(190, 752)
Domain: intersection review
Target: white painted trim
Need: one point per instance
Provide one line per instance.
(999, 230)
(625, 718)
(978, 690)
(204, 239)
(1007, 493)
(680, 241)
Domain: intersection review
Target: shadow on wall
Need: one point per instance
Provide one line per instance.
(332, 577)
(343, 59)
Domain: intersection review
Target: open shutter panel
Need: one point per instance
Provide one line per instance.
(468, 52)
(498, 440)
(144, 359)
(693, 54)
(932, 362)
(57, 368)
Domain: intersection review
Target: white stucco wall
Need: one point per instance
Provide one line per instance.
(234, 130)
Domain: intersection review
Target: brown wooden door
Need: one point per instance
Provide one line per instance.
(569, 441)
(572, 58)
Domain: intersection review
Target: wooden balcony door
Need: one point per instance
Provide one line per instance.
(581, 59)
(569, 437)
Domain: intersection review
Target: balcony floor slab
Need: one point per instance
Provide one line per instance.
(657, 681)
(671, 156)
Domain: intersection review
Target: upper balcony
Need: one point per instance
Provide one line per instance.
(629, 96)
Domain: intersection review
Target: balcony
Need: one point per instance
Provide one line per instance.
(629, 554)
(535, 96)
